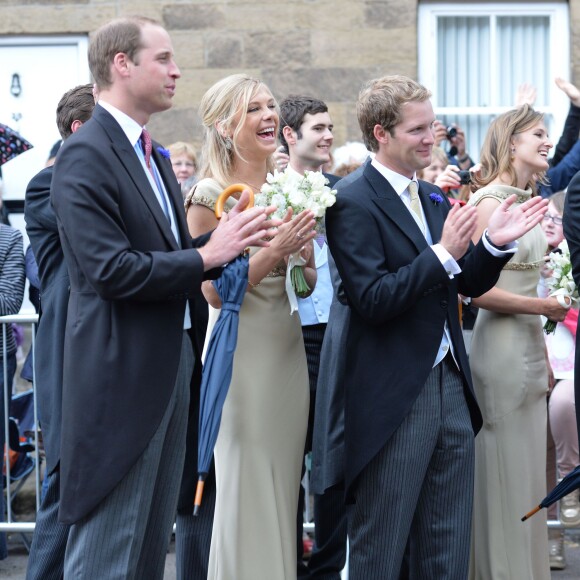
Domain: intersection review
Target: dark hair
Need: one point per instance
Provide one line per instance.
(120, 35)
(293, 109)
(75, 105)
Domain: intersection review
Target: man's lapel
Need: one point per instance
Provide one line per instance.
(174, 193)
(127, 156)
(386, 198)
(433, 209)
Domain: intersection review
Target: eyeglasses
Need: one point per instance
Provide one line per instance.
(557, 220)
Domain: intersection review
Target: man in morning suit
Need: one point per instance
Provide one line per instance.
(571, 222)
(410, 411)
(306, 132)
(132, 267)
(46, 561)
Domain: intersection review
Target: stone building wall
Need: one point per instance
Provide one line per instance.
(326, 48)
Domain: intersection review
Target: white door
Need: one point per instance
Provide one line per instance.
(44, 68)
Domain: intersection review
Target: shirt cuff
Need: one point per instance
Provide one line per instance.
(447, 261)
(496, 251)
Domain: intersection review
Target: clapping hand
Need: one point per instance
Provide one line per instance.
(238, 230)
(508, 223)
(458, 229)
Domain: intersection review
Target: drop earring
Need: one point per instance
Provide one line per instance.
(228, 143)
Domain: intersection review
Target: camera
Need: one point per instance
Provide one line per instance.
(464, 177)
(451, 132)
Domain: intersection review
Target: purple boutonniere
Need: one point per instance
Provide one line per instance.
(163, 152)
(436, 198)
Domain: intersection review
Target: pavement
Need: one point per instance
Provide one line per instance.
(14, 567)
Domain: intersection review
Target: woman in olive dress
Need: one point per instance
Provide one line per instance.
(508, 363)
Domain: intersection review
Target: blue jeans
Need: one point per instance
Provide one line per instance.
(11, 368)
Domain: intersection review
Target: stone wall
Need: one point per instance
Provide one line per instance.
(325, 48)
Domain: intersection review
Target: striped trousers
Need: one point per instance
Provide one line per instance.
(46, 560)
(127, 535)
(419, 488)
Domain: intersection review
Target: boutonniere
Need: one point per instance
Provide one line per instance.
(163, 152)
(436, 198)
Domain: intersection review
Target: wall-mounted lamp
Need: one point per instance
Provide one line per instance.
(15, 86)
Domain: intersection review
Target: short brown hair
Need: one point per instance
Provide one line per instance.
(380, 102)
(75, 105)
(120, 35)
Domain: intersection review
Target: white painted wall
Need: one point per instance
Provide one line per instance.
(48, 67)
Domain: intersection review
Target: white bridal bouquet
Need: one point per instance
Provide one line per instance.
(290, 189)
(561, 284)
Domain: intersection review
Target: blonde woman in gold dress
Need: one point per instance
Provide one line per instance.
(509, 368)
(260, 444)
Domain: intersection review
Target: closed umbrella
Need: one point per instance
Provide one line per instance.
(568, 484)
(217, 369)
(11, 144)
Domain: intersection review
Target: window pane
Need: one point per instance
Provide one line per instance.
(524, 56)
(462, 79)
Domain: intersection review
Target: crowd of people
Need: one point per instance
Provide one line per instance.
(425, 458)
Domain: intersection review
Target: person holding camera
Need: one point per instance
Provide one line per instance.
(450, 178)
(457, 154)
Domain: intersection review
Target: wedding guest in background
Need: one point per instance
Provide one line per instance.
(132, 267)
(446, 176)
(184, 163)
(403, 254)
(457, 154)
(260, 446)
(348, 157)
(52, 154)
(306, 131)
(566, 159)
(12, 277)
(46, 560)
(508, 363)
(562, 434)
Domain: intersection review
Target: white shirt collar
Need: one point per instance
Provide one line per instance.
(129, 126)
(398, 182)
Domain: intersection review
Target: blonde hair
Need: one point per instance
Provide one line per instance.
(380, 102)
(217, 110)
(558, 200)
(496, 153)
(437, 154)
(183, 148)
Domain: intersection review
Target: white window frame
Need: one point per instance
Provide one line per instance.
(559, 62)
(81, 42)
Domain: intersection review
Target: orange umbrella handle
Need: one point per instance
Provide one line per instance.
(531, 513)
(198, 496)
(226, 193)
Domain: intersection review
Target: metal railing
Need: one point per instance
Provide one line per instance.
(11, 489)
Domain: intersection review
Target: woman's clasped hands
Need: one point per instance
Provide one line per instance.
(294, 235)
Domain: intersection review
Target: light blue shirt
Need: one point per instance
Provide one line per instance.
(315, 308)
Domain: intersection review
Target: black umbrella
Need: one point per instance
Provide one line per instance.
(568, 484)
(217, 369)
(11, 144)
